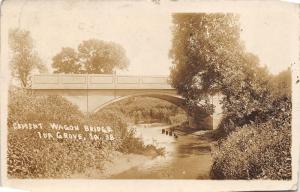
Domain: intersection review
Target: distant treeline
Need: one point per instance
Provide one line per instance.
(147, 110)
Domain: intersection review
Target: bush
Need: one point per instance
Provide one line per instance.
(32, 157)
(25, 106)
(258, 146)
(178, 119)
(118, 121)
(147, 110)
(126, 141)
(29, 157)
(257, 150)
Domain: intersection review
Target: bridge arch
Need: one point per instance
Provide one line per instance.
(205, 122)
(174, 99)
(100, 90)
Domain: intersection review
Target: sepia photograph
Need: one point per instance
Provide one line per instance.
(184, 93)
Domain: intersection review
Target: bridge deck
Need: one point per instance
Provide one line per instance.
(99, 81)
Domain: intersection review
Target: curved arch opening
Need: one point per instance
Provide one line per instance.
(148, 108)
(174, 99)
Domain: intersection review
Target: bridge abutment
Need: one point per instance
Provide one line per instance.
(197, 121)
(201, 123)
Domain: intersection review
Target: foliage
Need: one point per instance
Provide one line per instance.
(132, 144)
(178, 119)
(25, 106)
(281, 84)
(148, 110)
(66, 61)
(257, 151)
(260, 149)
(203, 46)
(209, 58)
(93, 56)
(32, 157)
(24, 59)
(136, 110)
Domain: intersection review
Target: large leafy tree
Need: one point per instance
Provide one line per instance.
(24, 58)
(66, 61)
(209, 58)
(93, 56)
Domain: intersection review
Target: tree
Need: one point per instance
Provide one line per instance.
(24, 59)
(209, 58)
(200, 44)
(93, 56)
(66, 61)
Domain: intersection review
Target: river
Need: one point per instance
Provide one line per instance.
(186, 157)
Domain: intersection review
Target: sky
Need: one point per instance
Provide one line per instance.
(144, 28)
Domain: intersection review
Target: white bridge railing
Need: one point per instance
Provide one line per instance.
(98, 81)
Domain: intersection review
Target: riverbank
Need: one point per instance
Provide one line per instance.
(118, 163)
(185, 157)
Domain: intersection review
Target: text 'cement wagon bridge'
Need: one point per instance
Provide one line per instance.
(91, 92)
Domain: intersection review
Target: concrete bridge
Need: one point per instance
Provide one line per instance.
(92, 92)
